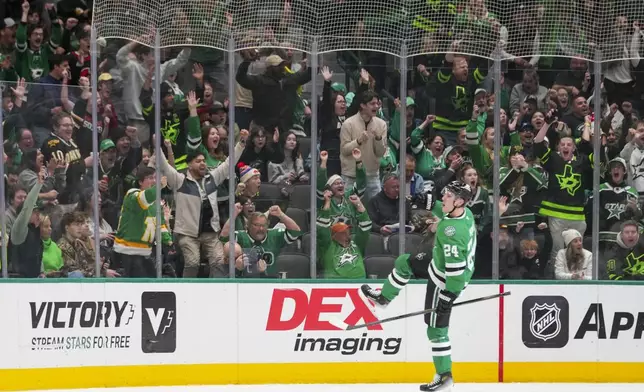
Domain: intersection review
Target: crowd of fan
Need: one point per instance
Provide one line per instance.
(546, 173)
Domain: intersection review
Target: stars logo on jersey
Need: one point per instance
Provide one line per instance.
(53, 143)
(460, 99)
(518, 198)
(347, 258)
(450, 231)
(421, 256)
(616, 210)
(638, 169)
(569, 181)
(635, 264)
(170, 129)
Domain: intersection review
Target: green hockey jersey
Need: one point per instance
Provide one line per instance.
(452, 263)
(426, 162)
(388, 163)
(482, 159)
(480, 207)
(34, 64)
(268, 249)
(137, 224)
(338, 261)
(343, 211)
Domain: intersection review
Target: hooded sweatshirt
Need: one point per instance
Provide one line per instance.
(622, 262)
(52, 257)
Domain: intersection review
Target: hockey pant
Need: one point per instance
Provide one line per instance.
(405, 267)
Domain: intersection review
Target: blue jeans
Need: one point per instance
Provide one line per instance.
(75, 275)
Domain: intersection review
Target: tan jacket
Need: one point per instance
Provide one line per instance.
(372, 150)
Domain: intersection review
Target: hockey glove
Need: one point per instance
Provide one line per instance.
(444, 309)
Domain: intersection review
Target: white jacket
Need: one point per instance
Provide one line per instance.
(561, 266)
(635, 158)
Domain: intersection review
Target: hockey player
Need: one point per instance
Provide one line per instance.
(342, 254)
(137, 227)
(448, 268)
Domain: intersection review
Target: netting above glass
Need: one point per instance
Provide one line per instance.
(508, 28)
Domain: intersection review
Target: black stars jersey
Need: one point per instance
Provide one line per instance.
(616, 204)
(67, 151)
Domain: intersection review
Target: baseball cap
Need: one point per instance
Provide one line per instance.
(217, 106)
(274, 60)
(480, 90)
(104, 77)
(410, 102)
(339, 227)
(617, 160)
(8, 22)
(339, 87)
(106, 144)
(526, 126)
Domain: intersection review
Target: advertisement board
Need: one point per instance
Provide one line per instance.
(104, 334)
(574, 323)
(292, 324)
(88, 324)
(574, 332)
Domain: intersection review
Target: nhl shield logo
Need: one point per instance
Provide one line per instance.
(545, 322)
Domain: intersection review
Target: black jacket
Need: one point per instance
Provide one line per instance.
(26, 258)
(384, 211)
(273, 99)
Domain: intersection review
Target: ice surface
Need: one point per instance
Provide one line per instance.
(383, 388)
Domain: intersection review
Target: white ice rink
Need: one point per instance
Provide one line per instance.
(384, 388)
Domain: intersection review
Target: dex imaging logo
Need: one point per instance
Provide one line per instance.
(159, 322)
(545, 322)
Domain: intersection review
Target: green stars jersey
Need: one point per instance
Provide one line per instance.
(137, 224)
(479, 205)
(452, 263)
(268, 249)
(343, 211)
(338, 261)
(34, 64)
(426, 162)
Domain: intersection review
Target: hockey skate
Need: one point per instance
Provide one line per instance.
(442, 382)
(374, 295)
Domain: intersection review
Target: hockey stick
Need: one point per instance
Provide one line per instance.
(344, 326)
